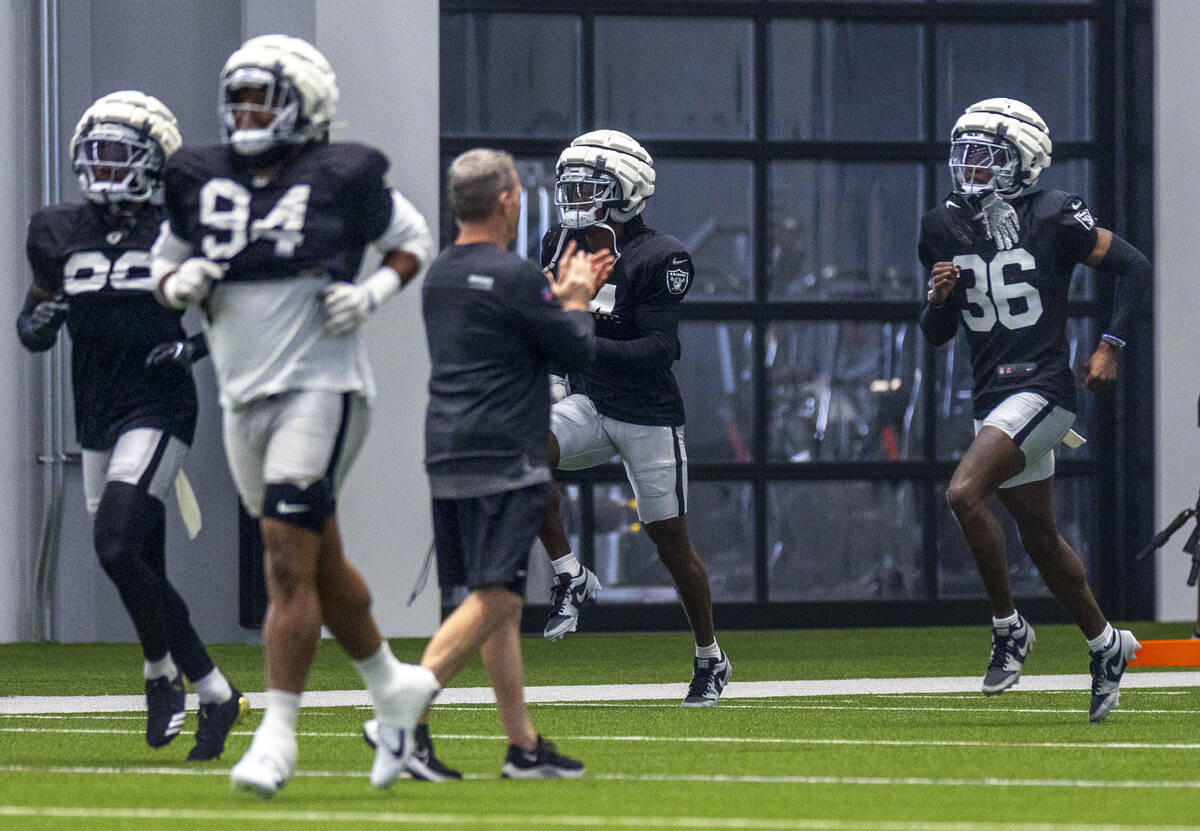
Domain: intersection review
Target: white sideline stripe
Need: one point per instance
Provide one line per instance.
(474, 820)
(32, 704)
(703, 778)
(768, 740)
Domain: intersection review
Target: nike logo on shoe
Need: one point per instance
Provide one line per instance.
(679, 260)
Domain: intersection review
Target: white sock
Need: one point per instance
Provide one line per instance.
(213, 688)
(1001, 622)
(566, 564)
(279, 717)
(379, 671)
(164, 667)
(1103, 639)
(381, 674)
(711, 651)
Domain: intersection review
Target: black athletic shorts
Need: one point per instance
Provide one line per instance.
(485, 540)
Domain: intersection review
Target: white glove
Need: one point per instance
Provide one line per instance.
(1000, 221)
(190, 283)
(348, 305)
(558, 388)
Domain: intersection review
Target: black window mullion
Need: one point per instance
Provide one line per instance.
(761, 314)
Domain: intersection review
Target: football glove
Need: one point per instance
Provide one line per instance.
(999, 220)
(39, 328)
(348, 305)
(190, 283)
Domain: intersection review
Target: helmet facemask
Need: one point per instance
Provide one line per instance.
(982, 163)
(117, 163)
(583, 195)
(260, 91)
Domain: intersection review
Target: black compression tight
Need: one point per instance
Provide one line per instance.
(130, 535)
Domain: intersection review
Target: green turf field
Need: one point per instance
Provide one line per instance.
(1025, 760)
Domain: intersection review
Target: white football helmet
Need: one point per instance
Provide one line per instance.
(602, 175)
(121, 145)
(288, 79)
(999, 145)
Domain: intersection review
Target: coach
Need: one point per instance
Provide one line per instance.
(493, 322)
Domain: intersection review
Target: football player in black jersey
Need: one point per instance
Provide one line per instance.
(266, 232)
(135, 401)
(627, 403)
(1001, 255)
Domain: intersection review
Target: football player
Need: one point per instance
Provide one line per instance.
(266, 232)
(1001, 255)
(627, 403)
(135, 400)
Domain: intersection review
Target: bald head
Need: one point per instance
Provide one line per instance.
(476, 180)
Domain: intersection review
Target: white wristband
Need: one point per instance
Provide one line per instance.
(380, 286)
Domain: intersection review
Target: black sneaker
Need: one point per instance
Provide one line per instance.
(165, 709)
(216, 720)
(1108, 665)
(709, 677)
(1010, 646)
(543, 762)
(422, 764)
(567, 596)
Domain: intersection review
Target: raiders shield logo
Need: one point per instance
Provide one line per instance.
(677, 280)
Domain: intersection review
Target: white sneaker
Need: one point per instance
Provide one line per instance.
(567, 596)
(266, 766)
(1108, 665)
(394, 732)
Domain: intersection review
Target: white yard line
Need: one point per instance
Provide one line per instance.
(632, 692)
(562, 821)
(701, 778)
(733, 740)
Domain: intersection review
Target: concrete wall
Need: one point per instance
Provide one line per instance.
(1176, 291)
(20, 373)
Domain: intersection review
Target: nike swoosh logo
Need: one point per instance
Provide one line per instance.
(1112, 667)
(950, 203)
(289, 508)
(679, 261)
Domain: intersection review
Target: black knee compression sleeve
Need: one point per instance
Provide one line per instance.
(309, 508)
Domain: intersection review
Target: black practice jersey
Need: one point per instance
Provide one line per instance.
(637, 327)
(314, 217)
(114, 321)
(1012, 304)
(493, 327)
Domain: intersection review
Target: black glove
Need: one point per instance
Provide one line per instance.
(37, 325)
(171, 360)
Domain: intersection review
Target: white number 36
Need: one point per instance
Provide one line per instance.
(991, 298)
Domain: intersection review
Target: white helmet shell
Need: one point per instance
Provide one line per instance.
(1015, 123)
(137, 125)
(301, 93)
(618, 155)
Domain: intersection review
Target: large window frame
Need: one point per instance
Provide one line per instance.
(1115, 522)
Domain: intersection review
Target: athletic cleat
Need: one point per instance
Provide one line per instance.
(709, 677)
(543, 762)
(395, 743)
(1108, 665)
(216, 720)
(566, 597)
(1010, 646)
(265, 769)
(165, 709)
(423, 764)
